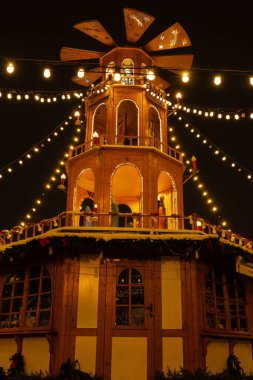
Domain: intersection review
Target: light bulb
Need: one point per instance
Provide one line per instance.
(10, 68)
(47, 72)
(217, 80)
(80, 72)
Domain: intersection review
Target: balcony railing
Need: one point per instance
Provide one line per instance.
(122, 222)
(119, 140)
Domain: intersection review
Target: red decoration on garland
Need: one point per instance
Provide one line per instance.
(44, 242)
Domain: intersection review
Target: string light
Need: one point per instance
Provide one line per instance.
(200, 185)
(215, 149)
(10, 68)
(229, 114)
(48, 187)
(42, 144)
(49, 96)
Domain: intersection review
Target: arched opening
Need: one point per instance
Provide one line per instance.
(127, 72)
(154, 125)
(126, 195)
(167, 201)
(84, 190)
(99, 120)
(127, 123)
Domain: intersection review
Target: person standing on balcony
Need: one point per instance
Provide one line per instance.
(161, 212)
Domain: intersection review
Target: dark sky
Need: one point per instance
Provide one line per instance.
(221, 36)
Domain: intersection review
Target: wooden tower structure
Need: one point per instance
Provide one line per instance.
(121, 281)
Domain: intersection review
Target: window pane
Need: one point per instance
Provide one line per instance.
(17, 304)
(46, 284)
(209, 304)
(6, 306)
(45, 302)
(122, 317)
(44, 318)
(19, 287)
(137, 295)
(138, 316)
(35, 272)
(124, 277)
(220, 306)
(34, 286)
(243, 324)
(7, 290)
(122, 296)
(210, 320)
(30, 319)
(221, 323)
(234, 325)
(20, 275)
(136, 277)
(45, 273)
(32, 303)
(15, 320)
(219, 289)
(4, 321)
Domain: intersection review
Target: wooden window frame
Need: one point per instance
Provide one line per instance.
(25, 296)
(226, 299)
(119, 270)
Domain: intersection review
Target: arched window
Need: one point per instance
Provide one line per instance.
(225, 302)
(127, 74)
(26, 299)
(130, 298)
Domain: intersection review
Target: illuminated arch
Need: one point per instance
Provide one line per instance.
(155, 126)
(99, 119)
(166, 188)
(127, 120)
(123, 191)
(85, 187)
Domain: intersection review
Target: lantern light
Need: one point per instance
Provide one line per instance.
(47, 72)
(10, 68)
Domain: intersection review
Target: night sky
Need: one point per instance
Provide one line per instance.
(221, 37)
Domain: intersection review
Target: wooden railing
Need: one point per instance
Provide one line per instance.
(119, 140)
(83, 221)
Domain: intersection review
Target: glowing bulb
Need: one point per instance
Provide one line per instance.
(47, 72)
(38, 201)
(214, 209)
(150, 75)
(224, 223)
(10, 68)
(117, 77)
(251, 81)
(28, 216)
(217, 80)
(185, 77)
(9, 170)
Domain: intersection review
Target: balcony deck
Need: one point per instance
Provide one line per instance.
(132, 226)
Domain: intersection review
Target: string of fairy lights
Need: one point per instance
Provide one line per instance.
(73, 118)
(39, 96)
(212, 148)
(196, 179)
(57, 173)
(219, 113)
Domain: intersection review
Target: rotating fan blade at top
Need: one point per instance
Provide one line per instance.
(173, 37)
(89, 78)
(173, 62)
(95, 30)
(71, 54)
(136, 23)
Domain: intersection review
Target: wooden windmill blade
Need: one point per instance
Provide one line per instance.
(136, 23)
(89, 78)
(95, 30)
(174, 61)
(72, 54)
(173, 37)
(160, 82)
